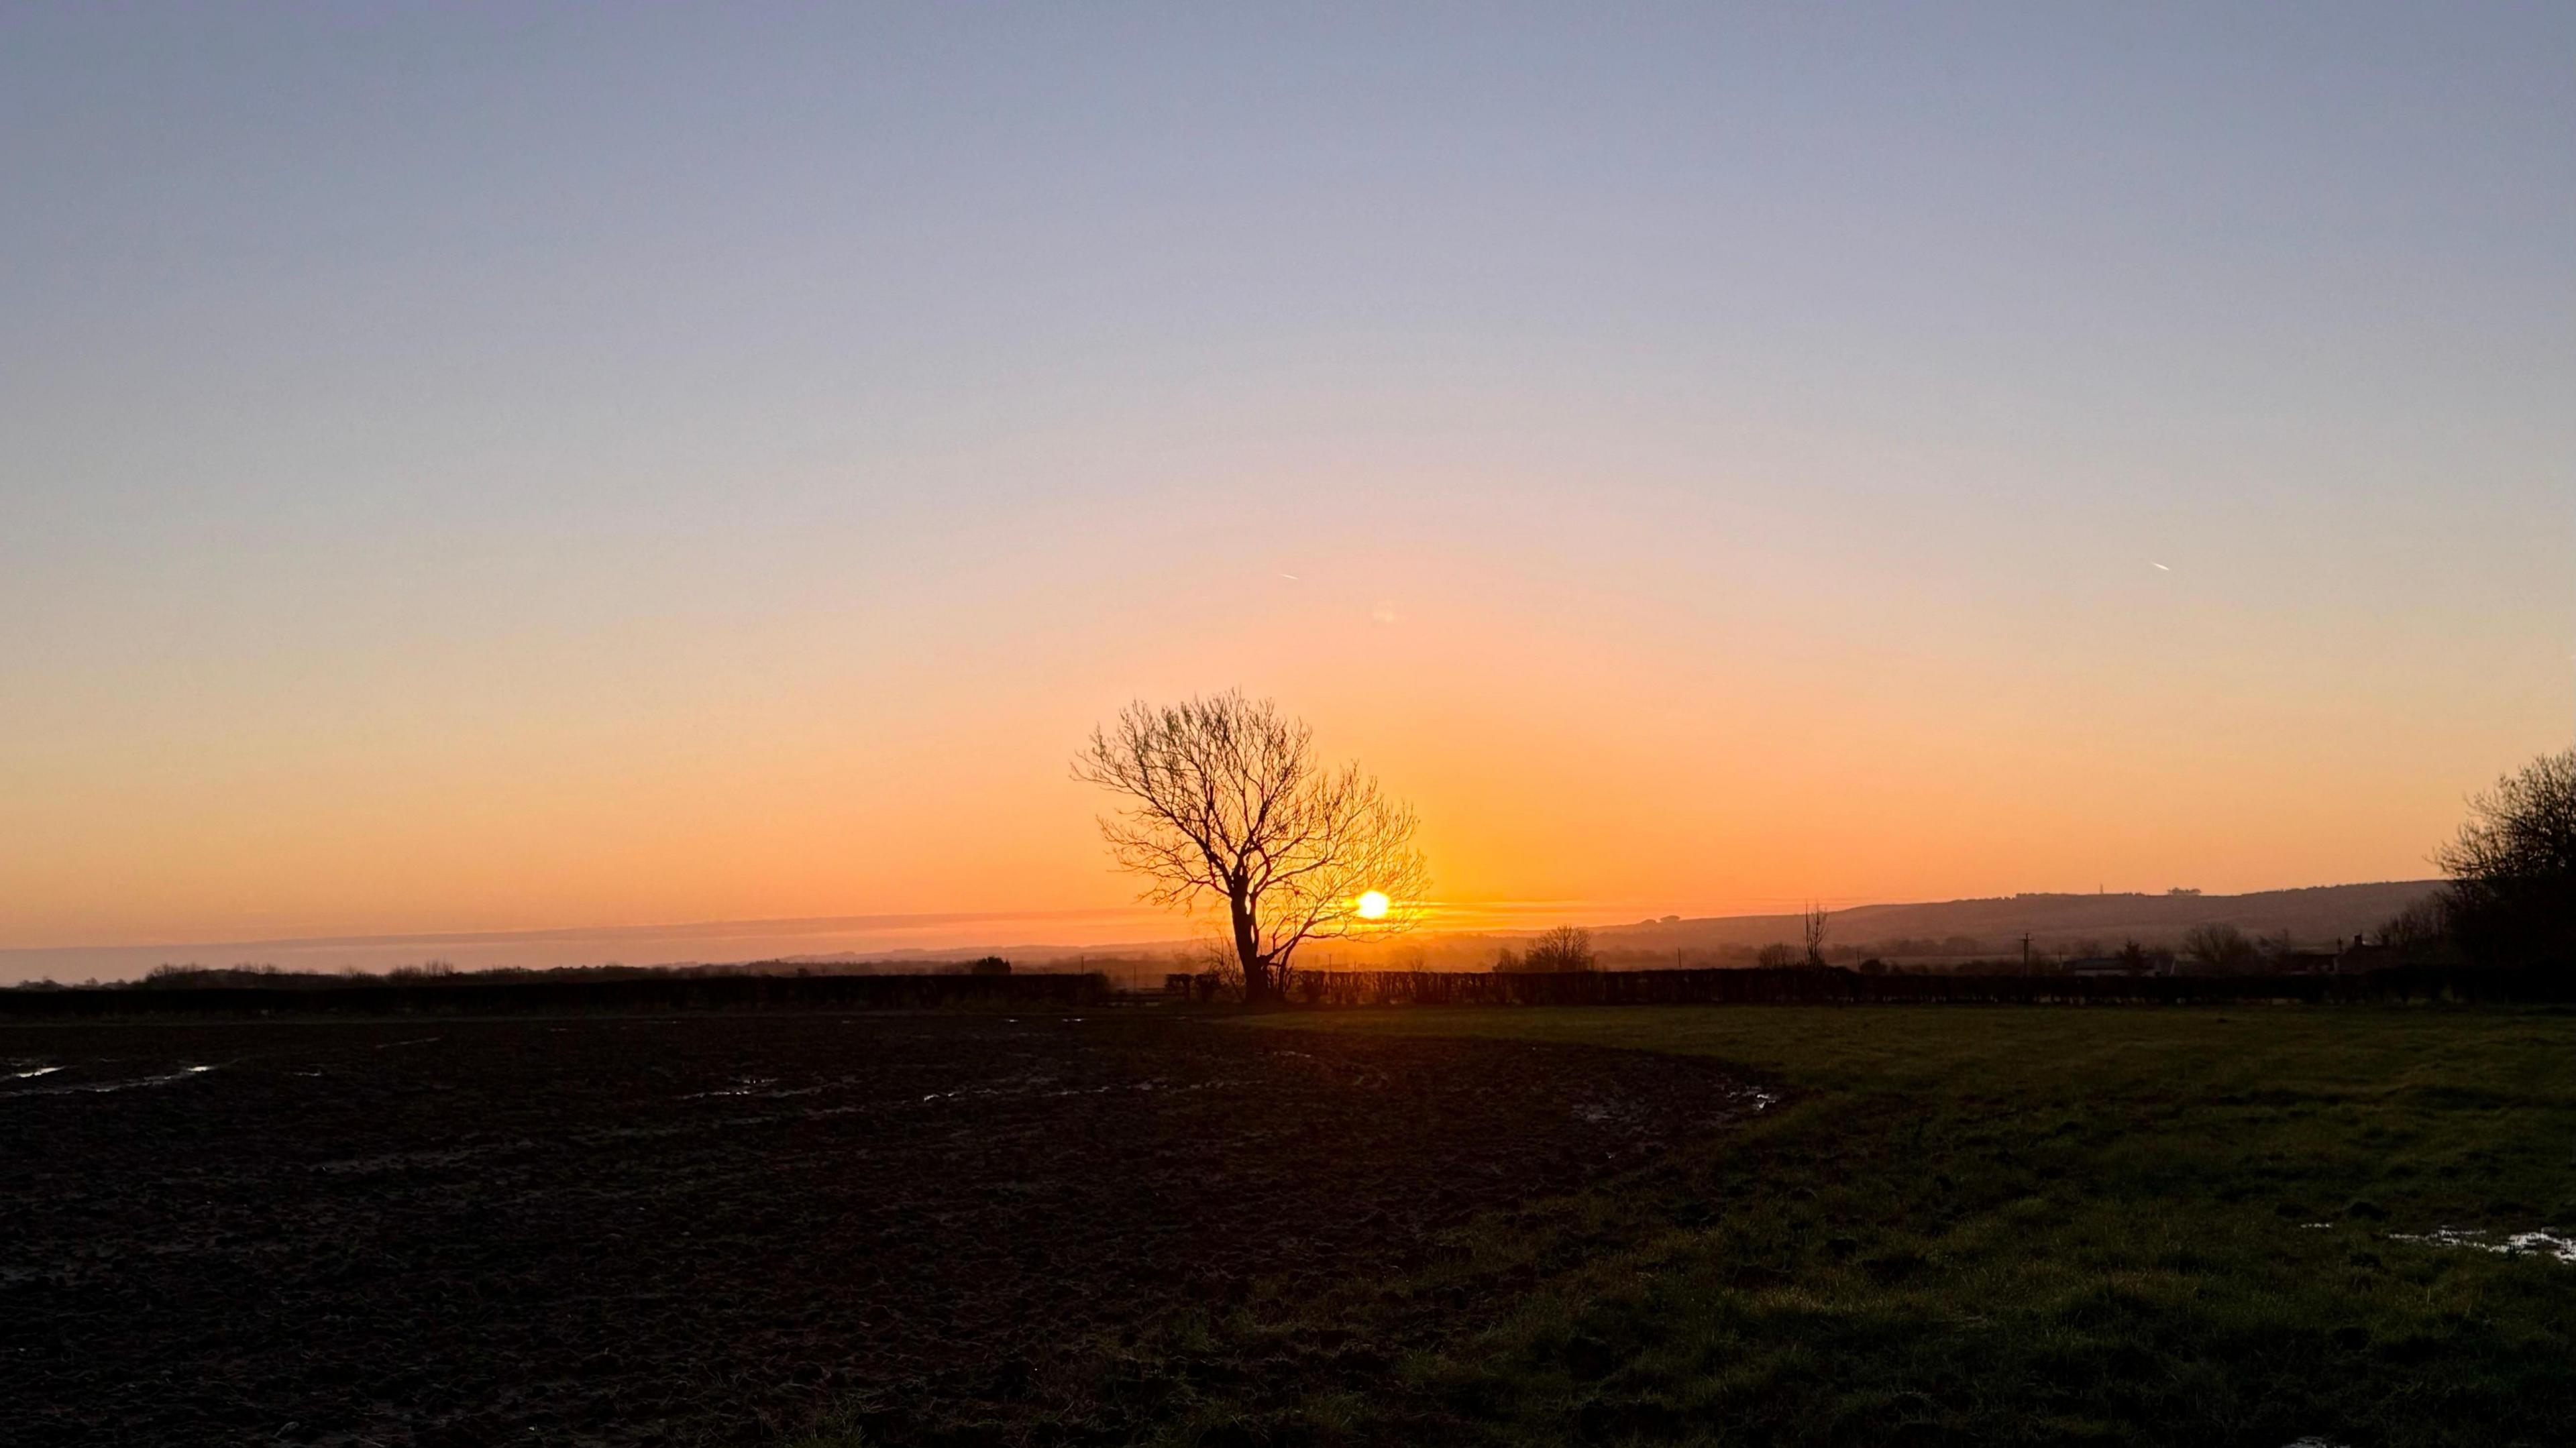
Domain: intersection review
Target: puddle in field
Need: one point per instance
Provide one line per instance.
(91, 1088)
(31, 1072)
(743, 1086)
(1024, 1085)
(2520, 1244)
(414, 1041)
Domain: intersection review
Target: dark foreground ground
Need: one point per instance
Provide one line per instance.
(710, 1229)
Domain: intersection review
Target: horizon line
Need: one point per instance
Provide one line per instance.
(824, 924)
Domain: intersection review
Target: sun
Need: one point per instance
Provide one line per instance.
(1372, 905)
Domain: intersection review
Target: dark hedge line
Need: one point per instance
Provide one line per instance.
(1809, 986)
(532, 997)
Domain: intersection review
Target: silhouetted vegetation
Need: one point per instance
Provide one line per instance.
(1794, 985)
(608, 989)
(2422, 931)
(170, 976)
(2221, 949)
(1224, 801)
(2136, 958)
(2512, 899)
(1565, 948)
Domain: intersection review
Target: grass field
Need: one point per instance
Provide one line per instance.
(2008, 1226)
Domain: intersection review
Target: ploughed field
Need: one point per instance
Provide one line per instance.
(713, 1229)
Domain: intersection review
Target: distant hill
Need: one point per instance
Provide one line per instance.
(2320, 914)
(1942, 929)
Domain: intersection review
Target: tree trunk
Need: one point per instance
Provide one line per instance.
(1247, 950)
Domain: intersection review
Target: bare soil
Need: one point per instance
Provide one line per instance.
(707, 1229)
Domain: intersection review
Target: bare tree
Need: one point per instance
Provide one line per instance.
(2219, 948)
(1567, 947)
(2512, 898)
(1817, 921)
(1223, 800)
(2420, 929)
(1212, 960)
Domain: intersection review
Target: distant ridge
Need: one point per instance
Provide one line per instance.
(2315, 914)
(2311, 915)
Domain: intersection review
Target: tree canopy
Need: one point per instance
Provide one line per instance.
(2513, 867)
(1224, 802)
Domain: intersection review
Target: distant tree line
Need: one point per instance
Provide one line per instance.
(1800, 984)
(547, 991)
(442, 973)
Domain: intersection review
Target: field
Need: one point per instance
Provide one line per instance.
(2046, 1226)
(718, 1228)
(1743, 1225)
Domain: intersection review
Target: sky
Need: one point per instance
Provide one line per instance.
(504, 468)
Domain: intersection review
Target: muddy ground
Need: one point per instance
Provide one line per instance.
(705, 1229)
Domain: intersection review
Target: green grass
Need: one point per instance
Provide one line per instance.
(2002, 1226)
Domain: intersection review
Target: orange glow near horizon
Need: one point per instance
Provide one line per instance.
(1608, 754)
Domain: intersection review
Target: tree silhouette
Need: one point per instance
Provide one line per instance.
(1566, 948)
(1817, 923)
(2219, 947)
(1223, 800)
(2513, 867)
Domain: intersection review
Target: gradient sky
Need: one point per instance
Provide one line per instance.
(471, 468)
